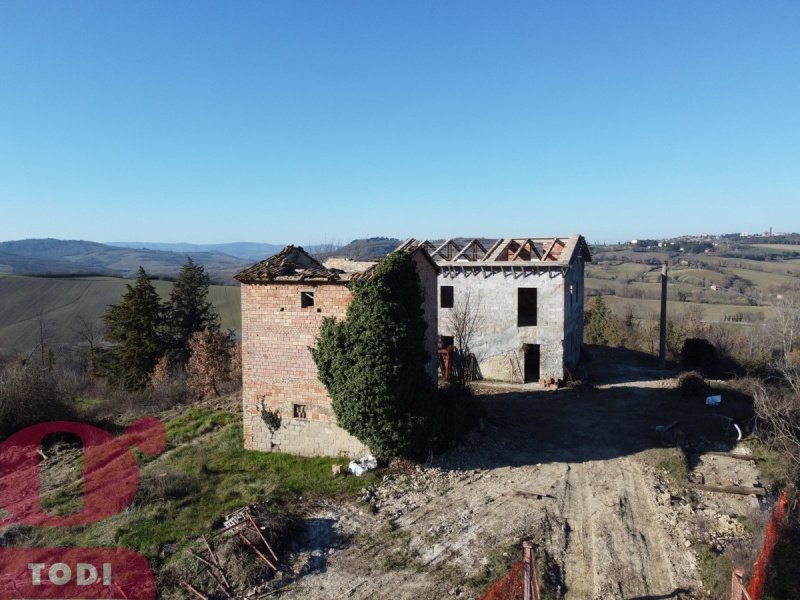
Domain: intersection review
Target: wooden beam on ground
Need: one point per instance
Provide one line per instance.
(729, 455)
(193, 590)
(216, 562)
(261, 535)
(257, 551)
(731, 489)
(537, 495)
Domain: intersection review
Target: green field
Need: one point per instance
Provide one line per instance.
(692, 275)
(712, 313)
(780, 248)
(60, 302)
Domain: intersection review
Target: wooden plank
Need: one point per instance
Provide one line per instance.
(261, 535)
(257, 551)
(537, 495)
(731, 489)
(193, 590)
(729, 455)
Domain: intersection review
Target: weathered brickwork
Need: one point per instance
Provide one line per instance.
(279, 373)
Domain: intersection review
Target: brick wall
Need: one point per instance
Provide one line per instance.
(277, 368)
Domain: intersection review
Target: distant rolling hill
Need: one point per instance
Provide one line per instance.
(253, 251)
(58, 282)
(59, 302)
(363, 249)
(51, 256)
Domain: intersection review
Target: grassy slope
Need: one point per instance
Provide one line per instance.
(204, 474)
(62, 301)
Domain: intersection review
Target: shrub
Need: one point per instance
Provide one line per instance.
(692, 384)
(28, 395)
(210, 361)
(698, 353)
(457, 412)
(373, 362)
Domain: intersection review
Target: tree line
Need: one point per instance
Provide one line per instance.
(150, 339)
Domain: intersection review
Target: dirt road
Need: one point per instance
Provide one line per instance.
(571, 470)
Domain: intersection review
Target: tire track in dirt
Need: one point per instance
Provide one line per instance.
(590, 507)
(612, 543)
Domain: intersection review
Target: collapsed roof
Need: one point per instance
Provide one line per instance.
(290, 264)
(552, 251)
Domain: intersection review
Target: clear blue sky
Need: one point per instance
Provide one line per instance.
(303, 122)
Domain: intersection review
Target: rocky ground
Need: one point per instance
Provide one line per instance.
(582, 473)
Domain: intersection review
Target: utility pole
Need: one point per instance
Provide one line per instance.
(662, 338)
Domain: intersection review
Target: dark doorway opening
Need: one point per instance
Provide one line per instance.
(532, 359)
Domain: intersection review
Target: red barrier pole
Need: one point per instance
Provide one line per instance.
(759, 580)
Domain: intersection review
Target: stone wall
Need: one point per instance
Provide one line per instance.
(499, 343)
(430, 306)
(573, 314)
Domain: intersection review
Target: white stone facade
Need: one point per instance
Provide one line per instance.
(507, 348)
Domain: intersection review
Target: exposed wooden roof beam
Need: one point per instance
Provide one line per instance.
(474, 245)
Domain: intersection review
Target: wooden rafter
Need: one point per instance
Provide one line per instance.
(474, 246)
(492, 249)
(531, 247)
(449, 244)
(504, 248)
(429, 246)
(550, 248)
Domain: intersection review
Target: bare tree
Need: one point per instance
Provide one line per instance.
(785, 322)
(88, 332)
(43, 335)
(89, 335)
(465, 322)
(785, 329)
(209, 365)
(778, 412)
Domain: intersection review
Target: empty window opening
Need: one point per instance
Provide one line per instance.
(532, 360)
(446, 298)
(306, 299)
(445, 341)
(526, 307)
(299, 411)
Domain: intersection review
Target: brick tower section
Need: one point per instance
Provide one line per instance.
(278, 328)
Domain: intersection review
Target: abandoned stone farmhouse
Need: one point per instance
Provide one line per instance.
(527, 298)
(527, 294)
(284, 301)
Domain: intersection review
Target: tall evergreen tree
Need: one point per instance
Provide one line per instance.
(135, 325)
(373, 362)
(188, 309)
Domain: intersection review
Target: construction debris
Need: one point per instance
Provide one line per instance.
(363, 465)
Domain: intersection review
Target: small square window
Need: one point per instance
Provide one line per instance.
(306, 299)
(446, 298)
(299, 411)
